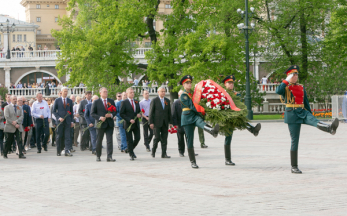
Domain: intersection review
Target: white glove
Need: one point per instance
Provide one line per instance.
(289, 77)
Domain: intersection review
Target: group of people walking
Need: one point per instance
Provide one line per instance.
(97, 117)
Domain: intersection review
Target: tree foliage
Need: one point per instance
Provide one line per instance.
(96, 39)
(199, 38)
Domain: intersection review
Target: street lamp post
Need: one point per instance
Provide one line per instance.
(8, 29)
(244, 28)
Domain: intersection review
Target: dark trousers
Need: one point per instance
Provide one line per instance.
(160, 134)
(189, 129)
(132, 142)
(25, 138)
(9, 141)
(63, 137)
(85, 137)
(33, 138)
(294, 129)
(1, 140)
(109, 139)
(228, 139)
(146, 128)
(40, 130)
(72, 134)
(53, 135)
(180, 138)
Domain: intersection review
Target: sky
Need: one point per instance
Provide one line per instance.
(12, 8)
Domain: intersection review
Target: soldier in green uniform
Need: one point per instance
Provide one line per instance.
(298, 112)
(229, 84)
(191, 118)
(202, 138)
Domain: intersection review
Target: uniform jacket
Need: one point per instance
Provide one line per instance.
(159, 116)
(11, 116)
(191, 115)
(294, 94)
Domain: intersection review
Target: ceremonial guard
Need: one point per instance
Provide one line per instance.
(229, 84)
(191, 118)
(298, 112)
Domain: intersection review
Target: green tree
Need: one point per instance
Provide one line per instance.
(199, 38)
(332, 79)
(96, 39)
(293, 32)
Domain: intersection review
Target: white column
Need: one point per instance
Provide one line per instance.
(5, 42)
(67, 77)
(7, 76)
(256, 70)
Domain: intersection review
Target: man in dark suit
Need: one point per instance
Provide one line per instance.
(85, 136)
(176, 119)
(61, 108)
(100, 113)
(27, 121)
(91, 124)
(160, 120)
(130, 109)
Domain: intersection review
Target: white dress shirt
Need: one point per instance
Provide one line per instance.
(39, 109)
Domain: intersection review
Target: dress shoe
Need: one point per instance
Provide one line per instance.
(5, 157)
(58, 154)
(72, 150)
(68, 154)
(24, 151)
(39, 151)
(122, 151)
(196, 154)
(53, 144)
(132, 158)
(229, 163)
(165, 156)
(94, 152)
(45, 148)
(126, 151)
(111, 160)
(98, 159)
(148, 149)
(134, 155)
(22, 157)
(153, 155)
(181, 155)
(296, 170)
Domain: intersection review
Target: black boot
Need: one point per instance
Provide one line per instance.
(328, 128)
(191, 155)
(213, 131)
(253, 129)
(294, 162)
(227, 154)
(203, 145)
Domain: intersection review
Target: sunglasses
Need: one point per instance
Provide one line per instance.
(119, 96)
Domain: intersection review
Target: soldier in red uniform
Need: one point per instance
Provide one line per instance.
(298, 112)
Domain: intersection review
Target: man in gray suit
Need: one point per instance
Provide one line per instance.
(14, 117)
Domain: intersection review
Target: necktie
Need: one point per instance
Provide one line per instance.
(132, 104)
(162, 103)
(64, 103)
(105, 104)
(14, 108)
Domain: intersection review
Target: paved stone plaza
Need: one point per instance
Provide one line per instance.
(259, 184)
